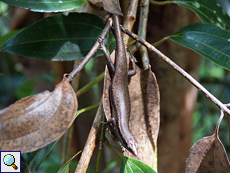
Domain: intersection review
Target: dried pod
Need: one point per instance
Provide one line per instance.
(208, 155)
(36, 121)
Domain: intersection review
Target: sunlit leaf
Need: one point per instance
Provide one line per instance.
(209, 11)
(206, 39)
(57, 38)
(46, 5)
(129, 165)
(6, 37)
(36, 121)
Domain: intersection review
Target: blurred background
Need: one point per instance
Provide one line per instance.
(186, 115)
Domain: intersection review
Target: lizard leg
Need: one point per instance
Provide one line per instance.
(109, 61)
(111, 123)
(133, 71)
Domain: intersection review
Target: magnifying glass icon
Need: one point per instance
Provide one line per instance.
(9, 160)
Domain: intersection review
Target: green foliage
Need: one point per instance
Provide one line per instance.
(65, 168)
(129, 165)
(208, 11)
(6, 37)
(111, 164)
(206, 39)
(206, 114)
(62, 38)
(57, 38)
(10, 80)
(26, 89)
(35, 158)
(3, 7)
(46, 5)
(211, 40)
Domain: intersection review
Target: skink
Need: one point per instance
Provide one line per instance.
(119, 93)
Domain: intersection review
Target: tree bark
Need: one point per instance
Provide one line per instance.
(178, 96)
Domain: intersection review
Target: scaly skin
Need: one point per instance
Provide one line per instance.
(119, 94)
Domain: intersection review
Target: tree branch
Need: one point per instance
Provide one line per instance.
(130, 18)
(144, 11)
(178, 69)
(91, 52)
(90, 143)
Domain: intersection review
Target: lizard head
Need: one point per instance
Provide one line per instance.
(132, 147)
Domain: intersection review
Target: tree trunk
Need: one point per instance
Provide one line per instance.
(178, 96)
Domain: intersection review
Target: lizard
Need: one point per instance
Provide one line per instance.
(119, 92)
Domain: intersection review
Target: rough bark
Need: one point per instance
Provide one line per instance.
(178, 96)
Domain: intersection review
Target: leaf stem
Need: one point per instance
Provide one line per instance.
(131, 43)
(160, 3)
(160, 41)
(87, 109)
(218, 123)
(112, 147)
(91, 52)
(67, 162)
(178, 69)
(90, 85)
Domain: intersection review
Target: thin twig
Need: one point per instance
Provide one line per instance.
(178, 69)
(66, 140)
(228, 119)
(107, 17)
(90, 143)
(142, 29)
(24, 161)
(130, 18)
(108, 59)
(76, 81)
(92, 51)
(87, 109)
(102, 138)
(133, 49)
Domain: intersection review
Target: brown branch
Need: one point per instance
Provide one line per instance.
(90, 143)
(178, 69)
(130, 18)
(91, 52)
(100, 147)
(144, 11)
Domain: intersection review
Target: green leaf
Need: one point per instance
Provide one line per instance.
(57, 38)
(65, 167)
(26, 89)
(129, 165)
(208, 11)
(34, 159)
(3, 7)
(6, 37)
(46, 5)
(206, 39)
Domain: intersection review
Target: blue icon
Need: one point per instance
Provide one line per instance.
(9, 160)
